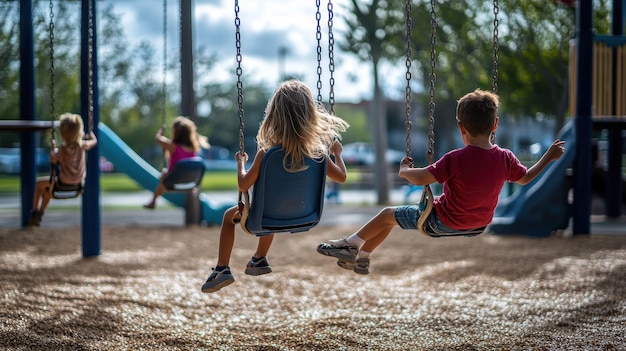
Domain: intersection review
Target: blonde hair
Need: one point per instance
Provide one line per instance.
(303, 127)
(184, 133)
(477, 111)
(71, 128)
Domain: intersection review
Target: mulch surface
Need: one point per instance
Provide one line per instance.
(143, 293)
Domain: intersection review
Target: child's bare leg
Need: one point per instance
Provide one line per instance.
(45, 200)
(376, 230)
(263, 246)
(41, 188)
(227, 237)
(160, 190)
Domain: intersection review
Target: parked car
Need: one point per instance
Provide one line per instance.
(217, 158)
(363, 154)
(10, 160)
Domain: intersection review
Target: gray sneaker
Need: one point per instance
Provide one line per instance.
(360, 266)
(218, 280)
(258, 266)
(338, 248)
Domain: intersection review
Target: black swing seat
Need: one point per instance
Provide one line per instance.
(66, 191)
(186, 175)
(283, 201)
(60, 190)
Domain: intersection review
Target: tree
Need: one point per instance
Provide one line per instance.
(372, 29)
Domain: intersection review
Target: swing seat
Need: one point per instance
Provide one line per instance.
(426, 207)
(283, 201)
(186, 175)
(66, 191)
(61, 191)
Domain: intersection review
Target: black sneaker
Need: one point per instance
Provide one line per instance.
(35, 218)
(258, 266)
(338, 248)
(217, 280)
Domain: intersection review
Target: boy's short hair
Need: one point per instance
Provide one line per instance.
(477, 111)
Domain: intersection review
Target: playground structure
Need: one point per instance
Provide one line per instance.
(597, 101)
(579, 134)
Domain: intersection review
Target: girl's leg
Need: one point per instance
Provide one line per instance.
(263, 247)
(160, 190)
(227, 237)
(41, 188)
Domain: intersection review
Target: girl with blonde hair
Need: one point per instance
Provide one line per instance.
(70, 157)
(304, 129)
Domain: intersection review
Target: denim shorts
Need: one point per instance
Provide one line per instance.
(407, 217)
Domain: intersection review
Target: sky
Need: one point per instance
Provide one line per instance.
(266, 27)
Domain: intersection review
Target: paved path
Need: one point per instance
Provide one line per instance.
(356, 207)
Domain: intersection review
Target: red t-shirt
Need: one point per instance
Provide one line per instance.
(472, 179)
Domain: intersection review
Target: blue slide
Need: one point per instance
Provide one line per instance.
(540, 207)
(128, 161)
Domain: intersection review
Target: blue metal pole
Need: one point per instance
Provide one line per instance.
(584, 123)
(27, 109)
(91, 226)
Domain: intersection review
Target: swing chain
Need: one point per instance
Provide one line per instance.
(51, 43)
(164, 70)
(407, 94)
(318, 36)
(494, 88)
(432, 79)
(496, 10)
(239, 73)
(331, 58)
(90, 57)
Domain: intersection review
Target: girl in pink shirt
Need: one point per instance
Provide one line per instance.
(185, 143)
(472, 179)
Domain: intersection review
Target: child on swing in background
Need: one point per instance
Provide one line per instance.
(70, 157)
(185, 143)
(304, 129)
(472, 179)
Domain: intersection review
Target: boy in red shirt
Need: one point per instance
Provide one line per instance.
(472, 179)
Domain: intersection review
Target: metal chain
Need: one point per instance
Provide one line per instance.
(318, 36)
(432, 79)
(239, 73)
(90, 56)
(496, 10)
(494, 87)
(331, 58)
(51, 43)
(407, 91)
(164, 71)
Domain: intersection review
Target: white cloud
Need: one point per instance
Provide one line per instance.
(266, 26)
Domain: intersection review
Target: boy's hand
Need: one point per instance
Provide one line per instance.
(555, 151)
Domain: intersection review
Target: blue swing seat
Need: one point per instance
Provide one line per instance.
(186, 175)
(283, 201)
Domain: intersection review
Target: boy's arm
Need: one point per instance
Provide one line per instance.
(416, 176)
(554, 153)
